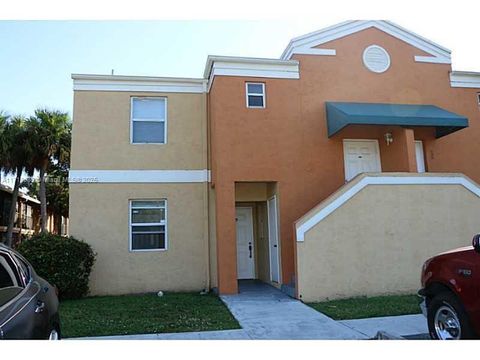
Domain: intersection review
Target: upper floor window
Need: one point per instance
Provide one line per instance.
(148, 222)
(149, 120)
(255, 95)
(478, 98)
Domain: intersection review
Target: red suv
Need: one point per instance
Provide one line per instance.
(451, 291)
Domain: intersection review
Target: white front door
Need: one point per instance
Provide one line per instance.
(361, 156)
(245, 245)
(273, 239)
(420, 156)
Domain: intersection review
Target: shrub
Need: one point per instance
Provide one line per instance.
(63, 261)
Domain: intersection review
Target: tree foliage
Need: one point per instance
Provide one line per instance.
(16, 159)
(50, 134)
(40, 142)
(63, 261)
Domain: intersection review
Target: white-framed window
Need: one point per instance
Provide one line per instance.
(148, 120)
(148, 225)
(255, 94)
(478, 98)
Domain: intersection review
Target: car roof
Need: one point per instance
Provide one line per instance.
(6, 249)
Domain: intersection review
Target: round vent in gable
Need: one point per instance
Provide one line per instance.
(376, 59)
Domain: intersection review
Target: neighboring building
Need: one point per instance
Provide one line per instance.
(27, 217)
(333, 171)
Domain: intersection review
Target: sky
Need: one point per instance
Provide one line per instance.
(37, 58)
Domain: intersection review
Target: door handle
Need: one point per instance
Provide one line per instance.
(250, 250)
(40, 307)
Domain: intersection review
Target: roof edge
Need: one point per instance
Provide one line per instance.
(243, 60)
(21, 194)
(135, 78)
(316, 38)
(465, 79)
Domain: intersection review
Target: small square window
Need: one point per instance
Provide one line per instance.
(255, 95)
(148, 225)
(148, 119)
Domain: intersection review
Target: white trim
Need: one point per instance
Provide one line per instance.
(164, 223)
(248, 63)
(250, 67)
(274, 197)
(377, 157)
(465, 79)
(369, 65)
(301, 44)
(420, 155)
(263, 95)
(432, 60)
(382, 180)
(314, 51)
(165, 120)
(86, 82)
(139, 176)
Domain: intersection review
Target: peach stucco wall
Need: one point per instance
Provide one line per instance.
(287, 142)
(376, 243)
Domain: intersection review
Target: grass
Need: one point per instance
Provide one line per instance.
(144, 314)
(365, 307)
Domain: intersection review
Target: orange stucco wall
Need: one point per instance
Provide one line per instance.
(287, 142)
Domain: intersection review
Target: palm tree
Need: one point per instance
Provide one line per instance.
(17, 160)
(49, 133)
(3, 141)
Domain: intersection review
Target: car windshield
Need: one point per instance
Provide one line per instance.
(10, 285)
(24, 267)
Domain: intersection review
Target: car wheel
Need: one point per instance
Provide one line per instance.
(446, 318)
(55, 333)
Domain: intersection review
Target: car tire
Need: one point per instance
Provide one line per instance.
(55, 333)
(447, 320)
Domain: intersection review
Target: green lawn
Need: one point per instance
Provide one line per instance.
(144, 314)
(365, 307)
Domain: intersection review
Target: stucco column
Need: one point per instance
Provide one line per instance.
(226, 237)
(411, 160)
(399, 155)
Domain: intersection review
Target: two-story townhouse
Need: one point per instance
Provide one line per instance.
(139, 181)
(333, 171)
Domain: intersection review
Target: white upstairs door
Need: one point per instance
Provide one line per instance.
(420, 156)
(361, 156)
(273, 239)
(245, 245)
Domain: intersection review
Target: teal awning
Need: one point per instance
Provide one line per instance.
(341, 114)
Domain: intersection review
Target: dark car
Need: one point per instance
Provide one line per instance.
(451, 289)
(28, 303)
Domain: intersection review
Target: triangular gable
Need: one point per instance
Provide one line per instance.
(307, 44)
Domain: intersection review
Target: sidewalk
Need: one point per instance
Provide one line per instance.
(266, 313)
(239, 334)
(404, 325)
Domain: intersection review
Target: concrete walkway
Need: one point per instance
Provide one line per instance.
(266, 313)
(239, 334)
(405, 325)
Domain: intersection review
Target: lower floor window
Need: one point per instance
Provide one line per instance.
(148, 224)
